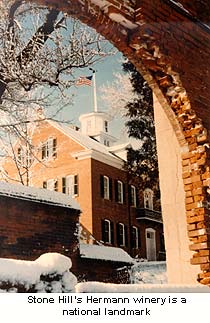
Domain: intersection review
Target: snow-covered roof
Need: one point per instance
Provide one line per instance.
(37, 195)
(83, 140)
(104, 253)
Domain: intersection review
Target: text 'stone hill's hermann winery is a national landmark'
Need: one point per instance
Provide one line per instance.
(169, 43)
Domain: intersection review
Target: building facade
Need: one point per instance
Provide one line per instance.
(87, 164)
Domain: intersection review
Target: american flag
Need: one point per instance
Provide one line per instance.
(84, 80)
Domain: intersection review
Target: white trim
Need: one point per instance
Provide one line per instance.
(106, 159)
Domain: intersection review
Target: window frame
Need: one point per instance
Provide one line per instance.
(49, 149)
(70, 185)
(136, 244)
(121, 234)
(133, 196)
(54, 187)
(148, 198)
(106, 126)
(107, 232)
(120, 192)
(106, 187)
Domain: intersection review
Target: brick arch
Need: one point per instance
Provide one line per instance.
(169, 43)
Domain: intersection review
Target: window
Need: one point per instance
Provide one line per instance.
(106, 126)
(106, 143)
(70, 185)
(135, 237)
(162, 242)
(150, 235)
(51, 184)
(24, 157)
(133, 196)
(148, 199)
(107, 231)
(49, 148)
(119, 192)
(121, 234)
(20, 155)
(106, 187)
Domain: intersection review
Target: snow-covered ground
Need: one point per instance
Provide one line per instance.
(147, 277)
(149, 272)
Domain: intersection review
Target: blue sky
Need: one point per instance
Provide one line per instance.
(83, 95)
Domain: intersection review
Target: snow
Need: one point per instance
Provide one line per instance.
(53, 262)
(95, 287)
(146, 277)
(25, 271)
(37, 195)
(28, 273)
(148, 272)
(104, 253)
(117, 17)
(103, 4)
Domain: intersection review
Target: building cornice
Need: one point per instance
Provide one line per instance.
(93, 154)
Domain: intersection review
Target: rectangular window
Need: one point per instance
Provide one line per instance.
(20, 154)
(70, 185)
(119, 192)
(107, 231)
(133, 196)
(76, 185)
(162, 242)
(148, 199)
(106, 142)
(49, 149)
(106, 187)
(24, 157)
(121, 234)
(135, 237)
(51, 184)
(106, 126)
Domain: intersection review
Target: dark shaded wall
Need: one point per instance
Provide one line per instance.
(29, 229)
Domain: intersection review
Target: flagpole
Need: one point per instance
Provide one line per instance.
(94, 90)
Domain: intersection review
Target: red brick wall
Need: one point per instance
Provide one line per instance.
(116, 212)
(29, 229)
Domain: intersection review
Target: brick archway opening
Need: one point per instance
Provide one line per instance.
(169, 43)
